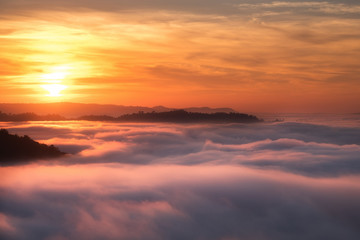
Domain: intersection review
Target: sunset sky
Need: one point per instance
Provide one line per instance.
(253, 56)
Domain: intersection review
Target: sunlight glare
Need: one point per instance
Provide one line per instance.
(55, 76)
(54, 89)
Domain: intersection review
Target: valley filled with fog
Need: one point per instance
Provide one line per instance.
(297, 178)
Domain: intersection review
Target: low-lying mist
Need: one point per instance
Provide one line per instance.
(286, 180)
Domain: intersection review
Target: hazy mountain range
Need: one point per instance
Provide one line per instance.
(67, 109)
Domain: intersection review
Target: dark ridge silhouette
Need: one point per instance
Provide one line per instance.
(97, 118)
(5, 117)
(74, 110)
(176, 116)
(182, 116)
(15, 149)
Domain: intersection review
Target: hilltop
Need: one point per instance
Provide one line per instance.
(16, 148)
(175, 116)
(178, 116)
(74, 110)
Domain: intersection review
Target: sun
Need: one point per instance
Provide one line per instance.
(55, 76)
(53, 80)
(54, 89)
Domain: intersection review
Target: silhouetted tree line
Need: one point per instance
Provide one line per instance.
(14, 147)
(5, 117)
(97, 118)
(177, 116)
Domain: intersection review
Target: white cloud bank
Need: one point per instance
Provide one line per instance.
(170, 181)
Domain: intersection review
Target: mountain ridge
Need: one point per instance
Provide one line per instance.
(174, 116)
(68, 109)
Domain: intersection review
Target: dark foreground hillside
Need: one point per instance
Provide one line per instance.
(14, 148)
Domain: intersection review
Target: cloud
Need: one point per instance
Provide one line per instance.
(306, 158)
(199, 6)
(305, 149)
(283, 180)
(311, 6)
(139, 54)
(40, 132)
(112, 201)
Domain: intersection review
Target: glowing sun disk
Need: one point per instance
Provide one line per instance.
(54, 89)
(55, 75)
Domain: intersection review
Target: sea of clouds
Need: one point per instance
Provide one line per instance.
(273, 180)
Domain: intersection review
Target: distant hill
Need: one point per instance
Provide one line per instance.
(29, 117)
(73, 110)
(14, 149)
(178, 116)
(175, 116)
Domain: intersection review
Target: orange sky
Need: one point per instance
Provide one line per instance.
(260, 57)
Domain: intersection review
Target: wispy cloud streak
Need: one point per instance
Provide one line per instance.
(312, 6)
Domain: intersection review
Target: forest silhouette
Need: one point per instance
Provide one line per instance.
(175, 116)
(29, 116)
(23, 148)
